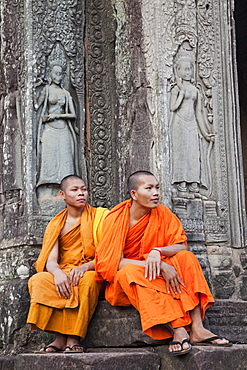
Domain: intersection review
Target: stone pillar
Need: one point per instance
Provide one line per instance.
(43, 131)
(101, 103)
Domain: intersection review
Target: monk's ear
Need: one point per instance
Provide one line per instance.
(62, 194)
(133, 194)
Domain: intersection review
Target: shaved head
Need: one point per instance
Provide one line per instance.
(134, 179)
(66, 179)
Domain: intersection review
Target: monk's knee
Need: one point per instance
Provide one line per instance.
(37, 280)
(187, 257)
(88, 279)
(39, 276)
(124, 270)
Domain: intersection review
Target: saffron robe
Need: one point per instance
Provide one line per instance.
(128, 286)
(48, 311)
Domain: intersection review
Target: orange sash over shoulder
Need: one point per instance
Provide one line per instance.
(116, 228)
(91, 229)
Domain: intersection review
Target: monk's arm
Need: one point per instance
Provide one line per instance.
(61, 280)
(77, 272)
(171, 250)
(127, 261)
(152, 267)
(171, 277)
(153, 261)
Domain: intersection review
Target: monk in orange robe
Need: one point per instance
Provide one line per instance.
(64, 293)
(144, 259)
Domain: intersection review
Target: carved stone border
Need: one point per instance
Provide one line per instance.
(100, 103)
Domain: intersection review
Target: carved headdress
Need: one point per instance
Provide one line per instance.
(57, 58)
(185, 53)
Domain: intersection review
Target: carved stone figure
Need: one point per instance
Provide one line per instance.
(188, 128)
(56, 139)
(138, 114)
(12, 135)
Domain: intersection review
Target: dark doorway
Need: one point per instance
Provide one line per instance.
(241, 42)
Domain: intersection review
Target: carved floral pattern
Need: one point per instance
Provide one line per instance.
(59, 21)
(100, 81)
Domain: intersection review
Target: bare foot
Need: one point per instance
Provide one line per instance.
(57, 345)
(73, 345)
(179, 335)
(200, 334)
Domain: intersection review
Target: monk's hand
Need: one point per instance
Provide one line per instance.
(152, 265)
(171, 278)
(63, 284)
(77, 272)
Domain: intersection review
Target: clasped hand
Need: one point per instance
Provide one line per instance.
(154, 267)
(63, 282)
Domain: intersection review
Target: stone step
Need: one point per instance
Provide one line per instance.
(121, 327)
(116, 360)
(150, 358)
(206, 358)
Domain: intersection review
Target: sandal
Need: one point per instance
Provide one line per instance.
(182, 351)
(72, 349)
(55, 350)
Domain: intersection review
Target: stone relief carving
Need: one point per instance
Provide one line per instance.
(188, 128)
(194, 23)
(141, 134)
(58, 28)
(57, 132)
(139, 115)
(101, 116)
(12, 134)
(12, 122)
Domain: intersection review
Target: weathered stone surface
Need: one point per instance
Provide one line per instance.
(224, 285)
(200, 358)
(97, 361)
(206, 358)
(243, 289)
(7, 362)
(14, 303)
(116, 327)
(229, 318)
(120, 326)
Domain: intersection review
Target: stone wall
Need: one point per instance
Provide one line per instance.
(144, 85)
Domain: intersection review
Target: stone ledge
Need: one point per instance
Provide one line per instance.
(206, 358)
(150, 358)
(229, 319)
(96, 361)
(121, 327)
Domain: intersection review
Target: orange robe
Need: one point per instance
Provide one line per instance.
(48, 311)
(128, 286)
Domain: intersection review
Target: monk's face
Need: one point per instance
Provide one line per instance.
(147, 193)
(75, 193)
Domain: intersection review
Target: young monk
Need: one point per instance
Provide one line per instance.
(144, 259)
(64, 293)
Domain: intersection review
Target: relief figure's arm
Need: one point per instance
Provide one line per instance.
(201, 119)
(177, 96)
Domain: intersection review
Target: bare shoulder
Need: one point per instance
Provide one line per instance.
(70, 222)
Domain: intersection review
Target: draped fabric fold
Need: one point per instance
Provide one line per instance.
(128, 286)
(76, 247)
(116, 229)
